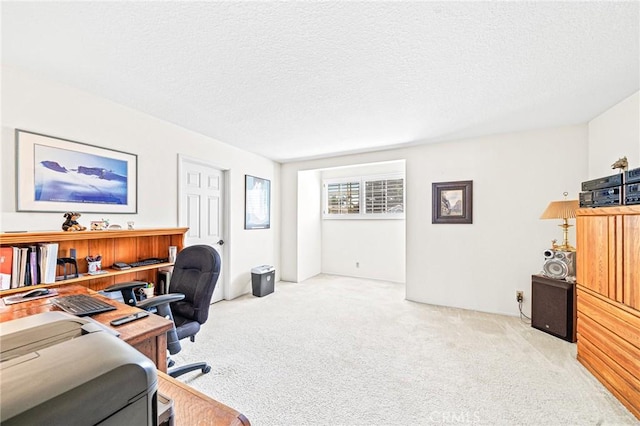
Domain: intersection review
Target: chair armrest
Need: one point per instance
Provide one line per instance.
(126, 289)
(163, 299)
(127, 285)
(162, 307)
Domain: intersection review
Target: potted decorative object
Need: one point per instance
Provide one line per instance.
(94, 265)
(148, 290)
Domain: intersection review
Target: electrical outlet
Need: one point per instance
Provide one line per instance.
(357, 264)
(519, 296)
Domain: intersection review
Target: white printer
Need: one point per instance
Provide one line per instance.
(58, 369)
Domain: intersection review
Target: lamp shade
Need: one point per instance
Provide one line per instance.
(561, 209)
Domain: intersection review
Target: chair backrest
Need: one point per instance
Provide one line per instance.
(195, 274)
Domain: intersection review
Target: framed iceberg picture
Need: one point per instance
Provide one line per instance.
(59, 175)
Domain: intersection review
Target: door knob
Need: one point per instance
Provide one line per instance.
(220, 242)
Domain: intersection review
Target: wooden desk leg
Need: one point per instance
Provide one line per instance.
(155, 348)
(161, 352)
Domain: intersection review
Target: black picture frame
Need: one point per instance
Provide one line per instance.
(59, 175)
(257, 203)
(452, 202)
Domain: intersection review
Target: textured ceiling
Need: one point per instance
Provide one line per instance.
(293, 80)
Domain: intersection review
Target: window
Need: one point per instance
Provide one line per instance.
(382, 197)
(343, 198)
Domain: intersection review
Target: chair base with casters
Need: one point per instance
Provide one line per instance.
(162, 306)
(179, 371)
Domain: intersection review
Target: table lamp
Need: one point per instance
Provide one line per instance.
(564, 210)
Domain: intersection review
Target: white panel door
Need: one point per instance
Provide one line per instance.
(201, 198)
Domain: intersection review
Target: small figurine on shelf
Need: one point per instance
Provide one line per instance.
(622, 164)
(97, 225)
(71, 222)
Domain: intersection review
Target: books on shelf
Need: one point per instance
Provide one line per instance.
(15, 262)
(6, 267)
(48, 262)
(33, 265)
(24, 266)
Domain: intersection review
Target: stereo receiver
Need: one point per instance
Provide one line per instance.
(604, 182)
(632, 195)
(601, 197)
(632, 176)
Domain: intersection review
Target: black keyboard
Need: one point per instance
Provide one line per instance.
(82, 305)
(145, 262)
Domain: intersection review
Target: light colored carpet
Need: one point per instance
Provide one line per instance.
(346, 351)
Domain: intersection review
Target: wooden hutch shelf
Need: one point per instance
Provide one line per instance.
(113, 245)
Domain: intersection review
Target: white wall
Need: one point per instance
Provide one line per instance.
(309, 243)
(289, 178)
(477, 266)
(368, 248)
(309, 229)
(52, 109)
(480, 266)
(614, 134)
(289, 215)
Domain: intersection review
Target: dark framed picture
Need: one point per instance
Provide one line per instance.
(257, 203)
(60, 175)
(452, 202)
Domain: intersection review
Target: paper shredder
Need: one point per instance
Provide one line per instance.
(262, 280)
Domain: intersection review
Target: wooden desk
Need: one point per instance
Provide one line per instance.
(192, 408)
(148, 335)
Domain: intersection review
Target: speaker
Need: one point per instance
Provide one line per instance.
(553, 308)
(559, 264)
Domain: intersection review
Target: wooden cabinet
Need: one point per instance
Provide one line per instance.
(608, 298)
(631, 260)
(113, 245)
(609, 255)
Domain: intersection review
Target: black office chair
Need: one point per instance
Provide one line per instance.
(195, 274)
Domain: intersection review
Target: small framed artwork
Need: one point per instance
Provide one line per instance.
(257, 203)
(59, 175)
(452, 202)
